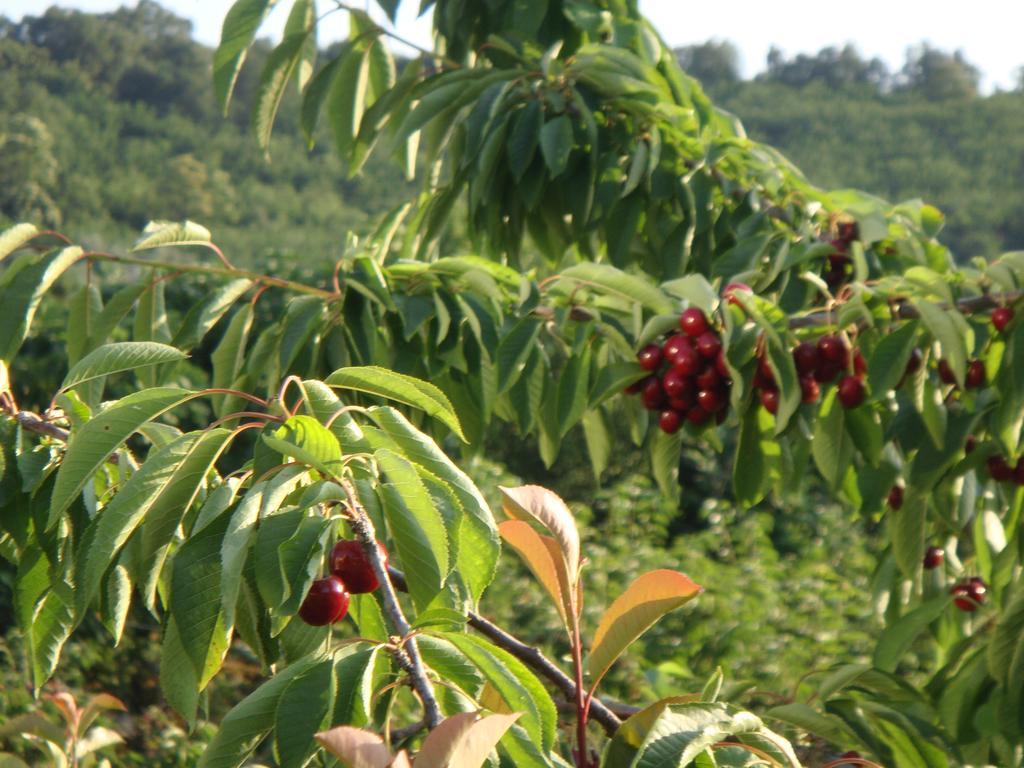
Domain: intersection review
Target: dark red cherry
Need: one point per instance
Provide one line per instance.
(650, 357)
(670, 421)
(770, 400)
(325, 603)
(350, 564)
(709, 345)
(933, 557)
(975, 375)
(805, 356)
(693, 322)
(851, 391)
(653, 394)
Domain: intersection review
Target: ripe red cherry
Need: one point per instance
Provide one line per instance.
(1018, 471)
(860, 365)
(682, 403)
(975, 375)
(764, 377)
(969, 595)
(946, 372)
(895, 497)
(826, 371)
(1002, 317)
(675, 343)
(834, 348)
(809, 390)
(710, 400)
(675, 384)
(708, 378)
(733, 288)
(697, 415)
(693, 322)
(933, 557)
(970, 444)
(653, 394)
(709, 345)
(805, 356)
(350, 564)
(999, 470)
(687, 361)
(670, 421)
(325, 603)
(770, 400)
(635, 387)
(851, 391)
(649, 357)
(847, 231)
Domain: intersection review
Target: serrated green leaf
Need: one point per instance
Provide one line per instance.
(516, 685)
(90, 446)
(381, 382)
(19, 299)
(164, 486)
(556, 143)
(888, 363)
(897, 638)
(160, 233)
(117, 357)
(238, 32)
(277, 72)
(309, 442)
(417, 526)
(303, 709)
(831, 447)
(205, 314)
(250, 720)
(614, 282)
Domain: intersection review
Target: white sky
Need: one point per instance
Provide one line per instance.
(988, 31)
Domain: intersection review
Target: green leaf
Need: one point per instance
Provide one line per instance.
(614, 282)
(573, 386)
(556, 143)
(237, 34)
(119, 356)
(514, 351)
(20, 298)
(309, 442)
(264, 497)
(1008, 638)
(479, 541)
(831, 447)
(516, 685)
(160, 234)
(303, 709)
(203, 316)
(665, 450)
(277, 72)
(599, 441)
(808, 719)
(195, 600)
(417, 526)
(749, 472)
(229, 357)
(522, 143)
(83, 310)
(382, 382)
(897, 638)
(250, 720)
(346, 100)
(91, 446)
(907, 530)
(888, 362)
(51, 627)
(942, 325)
(164, 487)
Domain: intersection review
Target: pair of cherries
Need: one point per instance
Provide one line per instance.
(352, 573)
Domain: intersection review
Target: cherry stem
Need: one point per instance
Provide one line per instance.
(407, 656)
(582, 699)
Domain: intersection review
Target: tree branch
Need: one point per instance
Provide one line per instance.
(407, 656)
(537, 661)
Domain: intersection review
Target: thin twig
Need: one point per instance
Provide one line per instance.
(34, 423)
(533, 658)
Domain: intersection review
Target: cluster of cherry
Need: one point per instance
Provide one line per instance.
(969, 594)
(839, 264)
(817, 364)
(689, 379)
(352, 573)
